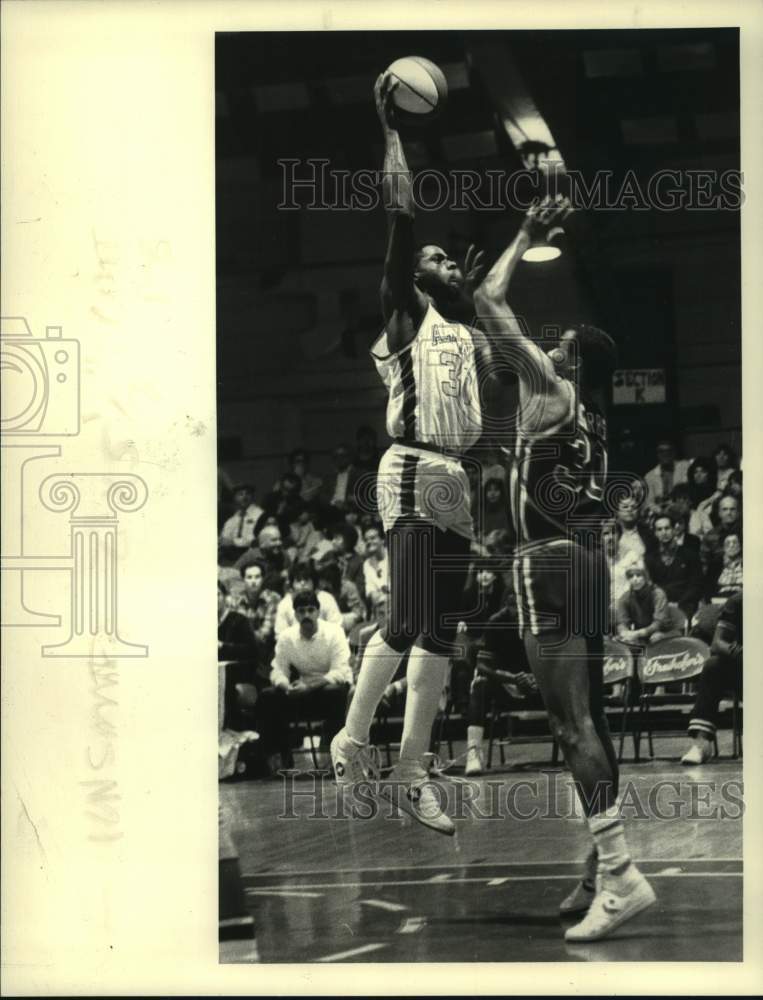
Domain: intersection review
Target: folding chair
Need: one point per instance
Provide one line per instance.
(669, 662)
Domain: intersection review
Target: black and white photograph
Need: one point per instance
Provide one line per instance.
(429, 332)
(480, 495)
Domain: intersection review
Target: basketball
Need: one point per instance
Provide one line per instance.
(422, 90)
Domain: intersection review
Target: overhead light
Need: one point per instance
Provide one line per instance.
(540, 253)
(547, 250)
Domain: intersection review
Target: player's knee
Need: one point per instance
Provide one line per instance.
(572, 734)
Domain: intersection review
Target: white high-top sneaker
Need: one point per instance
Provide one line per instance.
(410, 787)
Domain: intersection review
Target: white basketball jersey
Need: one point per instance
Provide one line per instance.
(433, 385)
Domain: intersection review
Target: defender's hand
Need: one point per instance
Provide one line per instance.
(543, 216)
(473, 268)
(384, 88)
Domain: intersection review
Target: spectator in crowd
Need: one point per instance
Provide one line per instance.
(702, 480)
(268, 551)
(632, 541)
(299, 465)
(668, 472)
(340, 488)
(237, 647)
(344, 539)
(677, 570)
(344, 592)
(375, 568)
(643, 613)
(258, 602)
(303, 578)
(733, 486)
(238, 531)
(681, 534)
(721, 672)
(308, 533)
(729, 522)
(726, 462)
(728, 580)
(697, 524)
(225, 489)
(284, 503)
(310, 677)
(366, 450)
(493, 515)
(502, 673)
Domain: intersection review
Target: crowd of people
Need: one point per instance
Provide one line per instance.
(303, 582)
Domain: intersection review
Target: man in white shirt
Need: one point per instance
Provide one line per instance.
(238, 531)
(375, 568)
(669, 472)
(316, 655)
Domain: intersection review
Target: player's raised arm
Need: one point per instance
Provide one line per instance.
(508, 338)
(403, 305)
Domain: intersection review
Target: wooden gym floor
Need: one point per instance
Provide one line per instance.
(324, 888)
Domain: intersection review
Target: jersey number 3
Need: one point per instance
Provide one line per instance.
(451, 361)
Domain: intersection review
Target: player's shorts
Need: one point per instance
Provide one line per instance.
(415, 482)
(562, 586)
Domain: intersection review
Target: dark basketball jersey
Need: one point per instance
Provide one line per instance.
(558, 476)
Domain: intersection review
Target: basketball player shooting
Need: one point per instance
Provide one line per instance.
(430, 362)
(560, 571)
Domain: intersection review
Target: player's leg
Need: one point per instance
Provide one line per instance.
(384, 650)
(437, 565)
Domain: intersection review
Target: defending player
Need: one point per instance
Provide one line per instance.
(430, 363)
(560, 570)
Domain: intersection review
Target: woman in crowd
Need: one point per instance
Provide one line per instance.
(643, 614)
(726, 461)
(728, 581)
(702, 480)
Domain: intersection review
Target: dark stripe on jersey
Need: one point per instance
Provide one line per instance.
(408, 485)
(409, 394)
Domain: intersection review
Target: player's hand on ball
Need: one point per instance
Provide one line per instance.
(473, 268)
(383, 90)
(544, 216)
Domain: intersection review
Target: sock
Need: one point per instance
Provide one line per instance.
(609, 839)
(377, 668)
(474, 736)
(427, 674)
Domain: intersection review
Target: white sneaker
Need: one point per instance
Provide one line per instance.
(614, 903)
(474, 761)
(352, 763)
(697, 754)
(411, 789)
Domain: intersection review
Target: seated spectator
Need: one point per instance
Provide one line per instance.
(509, 677)
(340, 487)
(698, 524)
(343, 539)
(259, 601)
(310, 677)
(632, 541)
(345, 593)
(308, 533)
(668, 472)
(493, 514)
(729, 522)
(237, 646)
(283, 503)
(681, 534)
(643, 614)
(676, 569)
(375, 568)
(723, 671)
(299, 465)
(728, 580)
(268, 551)
(303, 578)
(733, 486)
(726, 462)
(702, 481)
(238, 531)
